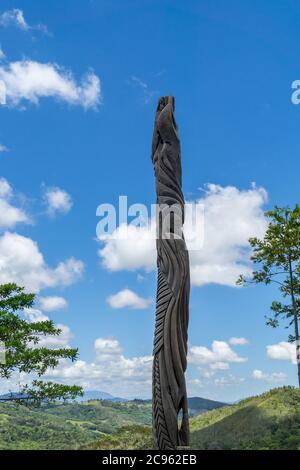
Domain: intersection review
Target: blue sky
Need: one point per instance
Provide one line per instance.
(81, 81)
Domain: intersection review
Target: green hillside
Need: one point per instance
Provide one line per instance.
(66, 426)
(75, 425)
(268, 421)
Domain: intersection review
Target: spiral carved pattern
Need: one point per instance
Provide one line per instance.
(173, 288)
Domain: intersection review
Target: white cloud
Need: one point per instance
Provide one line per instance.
(52, 303)
(136, 251)
(3, 148)
(193, 386)
(2, 54)
(9, 214)
(282, 351)
(126, 298)
(58, 201)
(15, 17)
(110, 371)
(28, 80)
(34, 315)
(238, 341)
(107, 347)
(22, 262)
(273, 377)
(229, 380)
(217, 358)
(56, 342)
(69, 271)
(231, 217)
(219, 365)
(53, 342)
(5, 188)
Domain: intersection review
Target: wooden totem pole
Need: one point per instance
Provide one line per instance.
(170, 408)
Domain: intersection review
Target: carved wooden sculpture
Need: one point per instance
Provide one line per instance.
(173, 288)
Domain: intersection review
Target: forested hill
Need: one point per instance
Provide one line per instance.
(74, 425)
(268, 421)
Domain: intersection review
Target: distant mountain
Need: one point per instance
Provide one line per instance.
(199, 405)
(88, 395)
(98, 395)
(14, 396)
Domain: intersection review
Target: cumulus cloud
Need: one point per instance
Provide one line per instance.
(274, 377)
(58, 201)
(238, 341)
(9, 214)
(129, 248)
(15, 17)
(126, 298)
(3, 148)
(219, 251)
(22, 262)
(5, 188)
(217, 358)
(193, 386)
(111, 371)
(56, 342)
(282, 351)
(52, 303)
(231, 217)
(229, 380)
(52, 342)
(28, 80)
(34, 315)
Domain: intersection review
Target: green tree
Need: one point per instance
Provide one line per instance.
(277, 257)
(21, 343)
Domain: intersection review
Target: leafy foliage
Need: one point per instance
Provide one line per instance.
(21, 339)
(277, 257)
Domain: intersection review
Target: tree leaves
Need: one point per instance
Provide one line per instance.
(21, 339)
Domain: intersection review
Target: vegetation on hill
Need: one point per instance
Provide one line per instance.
(268, 421)
(66, 426)
(126, 438)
